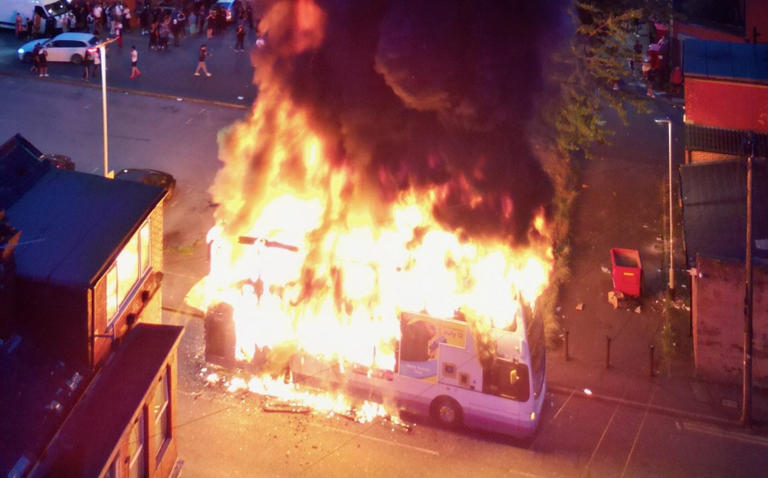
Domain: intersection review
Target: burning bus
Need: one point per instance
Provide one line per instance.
(382, 217)
(459, 370)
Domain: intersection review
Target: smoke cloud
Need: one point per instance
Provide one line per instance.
(414, 94)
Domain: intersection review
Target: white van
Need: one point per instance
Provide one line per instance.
(48, 9)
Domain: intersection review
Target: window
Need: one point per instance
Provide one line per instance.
(144, 244)
(161, 414)
(131, 264)
(137, 457)
(507, 379)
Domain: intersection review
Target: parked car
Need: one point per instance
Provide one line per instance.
(59, 161)
(151, 177)
(68, 46)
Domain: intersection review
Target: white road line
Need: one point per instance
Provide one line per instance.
(637, 435)
(380, 440)
(727, 434)
(563, 405)
(605, 432)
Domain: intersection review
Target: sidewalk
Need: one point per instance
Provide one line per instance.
(622, 204)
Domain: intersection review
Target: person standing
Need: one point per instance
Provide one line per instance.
(135, 73)
(119, 33)
(19, 26)
(202, 55)
(240, 34)
(43, 62)
(96, 62)
(87, 61)
(36, 58)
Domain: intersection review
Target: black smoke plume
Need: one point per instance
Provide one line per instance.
(421, 93)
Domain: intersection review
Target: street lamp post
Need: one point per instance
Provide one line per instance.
(103, 53)
(671, 236)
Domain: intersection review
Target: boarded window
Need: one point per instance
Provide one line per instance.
(137, 463)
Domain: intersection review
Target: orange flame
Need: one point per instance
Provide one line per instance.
(333, 263)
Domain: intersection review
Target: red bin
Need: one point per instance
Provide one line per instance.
(627, 272)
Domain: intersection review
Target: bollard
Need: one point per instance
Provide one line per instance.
(653, 374)
(607, 352)
(565, 346)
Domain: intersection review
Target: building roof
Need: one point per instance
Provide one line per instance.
(34, 399)
(86, 439)
(72, 224)
(714, 209)
(742, 62)
(20, 168)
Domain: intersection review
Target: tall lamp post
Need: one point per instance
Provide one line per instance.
(103, 54)
(671, 236)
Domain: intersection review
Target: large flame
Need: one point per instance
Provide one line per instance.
(313, 255)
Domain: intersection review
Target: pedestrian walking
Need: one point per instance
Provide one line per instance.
(202, 55)
(240, 35)
(135, 73)
(43, 62)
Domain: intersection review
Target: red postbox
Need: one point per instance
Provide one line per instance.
(627, 272)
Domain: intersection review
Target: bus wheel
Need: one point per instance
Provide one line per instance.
(447, 412)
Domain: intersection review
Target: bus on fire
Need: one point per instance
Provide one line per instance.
(492, 380)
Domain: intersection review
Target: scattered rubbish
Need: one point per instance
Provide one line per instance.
(614, 297)
(580, 306)
(284, 406)
(241, 98)
(179, 99)
(605, 270)
(585, 186)
(645, 226)
(638, 310)
(587, 391)
(684, 286)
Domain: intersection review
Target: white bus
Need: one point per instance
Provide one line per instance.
(445, 372)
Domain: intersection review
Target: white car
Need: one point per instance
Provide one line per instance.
(68, 46)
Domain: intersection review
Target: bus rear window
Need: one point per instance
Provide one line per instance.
(508, 379)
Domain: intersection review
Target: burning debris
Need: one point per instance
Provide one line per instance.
(384, 169)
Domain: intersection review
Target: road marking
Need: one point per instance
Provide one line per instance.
(605, 432)
(379, 440)
(637, 435)
(563, 405)
(721, 433)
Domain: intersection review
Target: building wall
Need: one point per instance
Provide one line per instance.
(717, 305)
(146, 304)
(156, 465)
(724, 104)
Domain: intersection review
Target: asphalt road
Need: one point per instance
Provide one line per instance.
(222, 434)
(168, 72)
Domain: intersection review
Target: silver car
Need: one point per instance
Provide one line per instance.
(67, 47)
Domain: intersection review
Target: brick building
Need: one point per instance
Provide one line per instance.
(89, 371)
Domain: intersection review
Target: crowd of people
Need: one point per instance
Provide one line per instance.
(160, 22)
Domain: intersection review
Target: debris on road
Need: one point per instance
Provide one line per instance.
(580, 306)
(275, 405)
